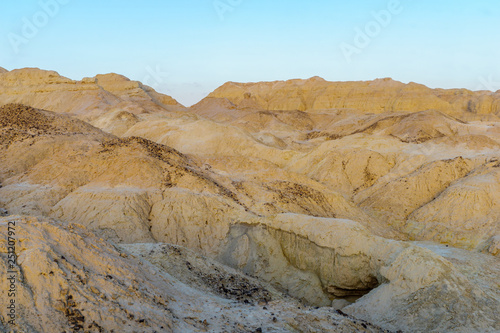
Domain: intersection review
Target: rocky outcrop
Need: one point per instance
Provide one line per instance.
(466, 213)
(86, 284)
(432, 294)
(92, 99)
(19, 122)
(319, 260)
(80, 284)
(166, 288)
(376, 96)
(207, 138)
(402, 196)
(69, 161)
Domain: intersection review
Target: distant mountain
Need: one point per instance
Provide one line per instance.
(378, 96)
(51, 91)
(111, 101)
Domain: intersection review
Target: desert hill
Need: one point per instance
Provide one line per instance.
(139, 288)
(102, 99)
(343, 207)
(378, 96)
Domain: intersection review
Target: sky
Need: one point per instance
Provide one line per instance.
(187, 48)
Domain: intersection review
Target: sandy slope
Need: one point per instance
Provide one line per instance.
(70, 280)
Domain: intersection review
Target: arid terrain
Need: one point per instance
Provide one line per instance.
(287, 206)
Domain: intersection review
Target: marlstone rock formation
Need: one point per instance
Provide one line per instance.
(382, 95)
(377, 202)
(71, 280)
(112, 101)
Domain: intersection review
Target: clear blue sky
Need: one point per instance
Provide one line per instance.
(193, 48)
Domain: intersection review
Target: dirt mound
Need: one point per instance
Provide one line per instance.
(423, 126)
(24, 117)
(156, 150)
(209, 275)
(19, 122)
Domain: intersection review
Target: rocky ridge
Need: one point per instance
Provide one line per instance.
(378, 96)
(109, 99)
